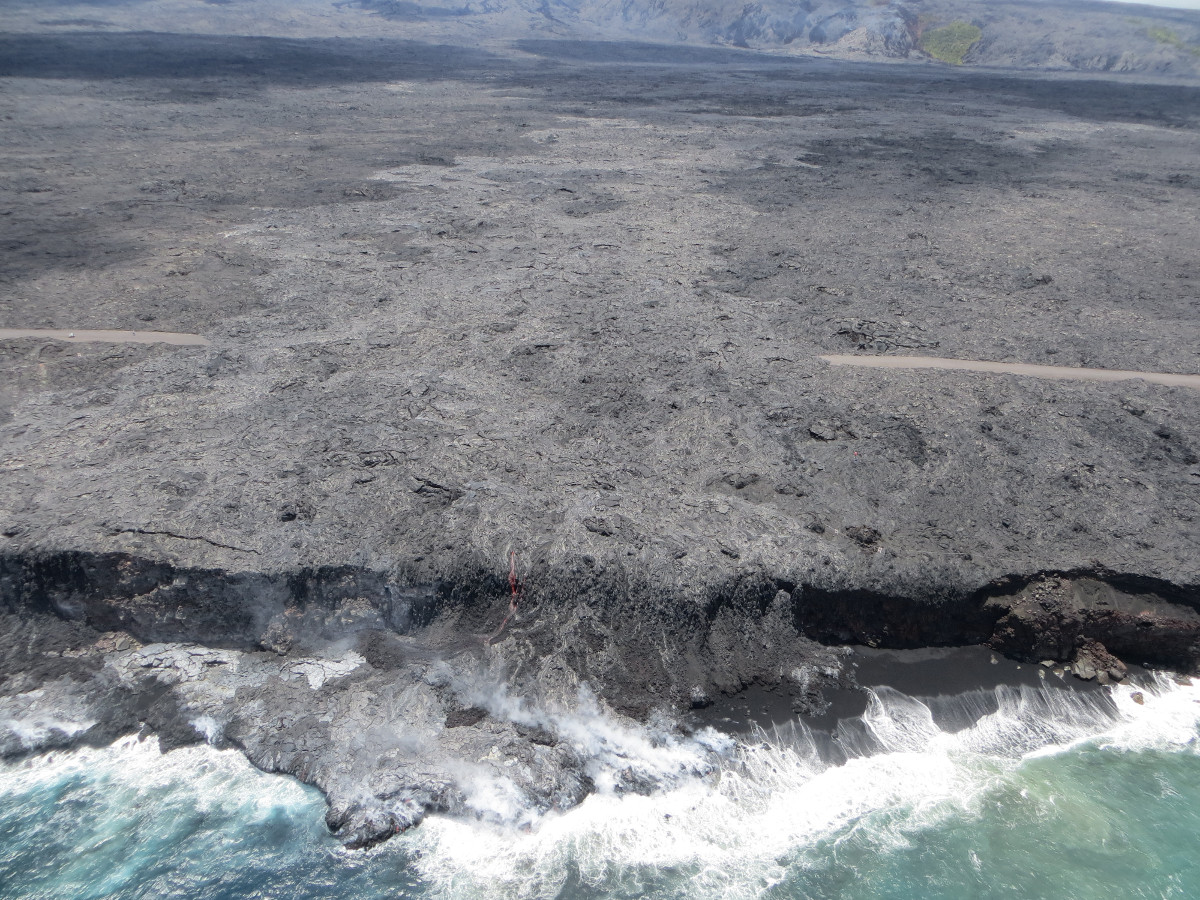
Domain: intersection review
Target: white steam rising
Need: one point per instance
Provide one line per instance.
(727, 819)
(616, 753)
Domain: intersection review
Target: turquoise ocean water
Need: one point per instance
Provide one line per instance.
(1052, 794)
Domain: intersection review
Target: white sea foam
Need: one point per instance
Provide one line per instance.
(209, 778)
(493, 798)
(127, 820)
(1163, 716)
(731, 836)
(616, 752)
(34, 731)
(31, 720)
(209, 727)
(729, 819)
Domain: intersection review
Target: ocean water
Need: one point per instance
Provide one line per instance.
(1046, 793)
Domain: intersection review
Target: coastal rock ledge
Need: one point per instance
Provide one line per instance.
(405, 692)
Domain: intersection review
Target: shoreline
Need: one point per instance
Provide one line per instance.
(378, 691)
(1071, 770)
(920, 673)
(538, 311)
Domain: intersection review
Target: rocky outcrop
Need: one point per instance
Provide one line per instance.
(1091, 620)
(1092, 660)
(385, 693)
(393, 696)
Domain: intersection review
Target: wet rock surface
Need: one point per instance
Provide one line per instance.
(465, 305)
(390, 698)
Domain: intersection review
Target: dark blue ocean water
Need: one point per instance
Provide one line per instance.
(1048, 796)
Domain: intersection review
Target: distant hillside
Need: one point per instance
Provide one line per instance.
(1083, 35)
(1073, 34)
(1077, 35)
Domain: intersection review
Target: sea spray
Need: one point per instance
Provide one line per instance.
(617, 754)
(42, 718)
(1030, 792)
(778, 793)
(122, 819)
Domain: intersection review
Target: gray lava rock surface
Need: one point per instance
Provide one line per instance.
(469, 304)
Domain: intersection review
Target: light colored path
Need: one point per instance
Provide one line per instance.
(972, 365)
(112, 337)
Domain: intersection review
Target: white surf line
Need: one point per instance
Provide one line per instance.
(972, 365)
(112, 337)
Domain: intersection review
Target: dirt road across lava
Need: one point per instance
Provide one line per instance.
(112, 337)
(1034, 371)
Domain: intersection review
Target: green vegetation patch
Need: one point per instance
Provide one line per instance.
(1171, 38)
(950, 43)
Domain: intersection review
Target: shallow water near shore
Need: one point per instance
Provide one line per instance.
(1044, 792)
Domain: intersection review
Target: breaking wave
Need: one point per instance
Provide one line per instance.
(1011, 792)
(738, 833)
